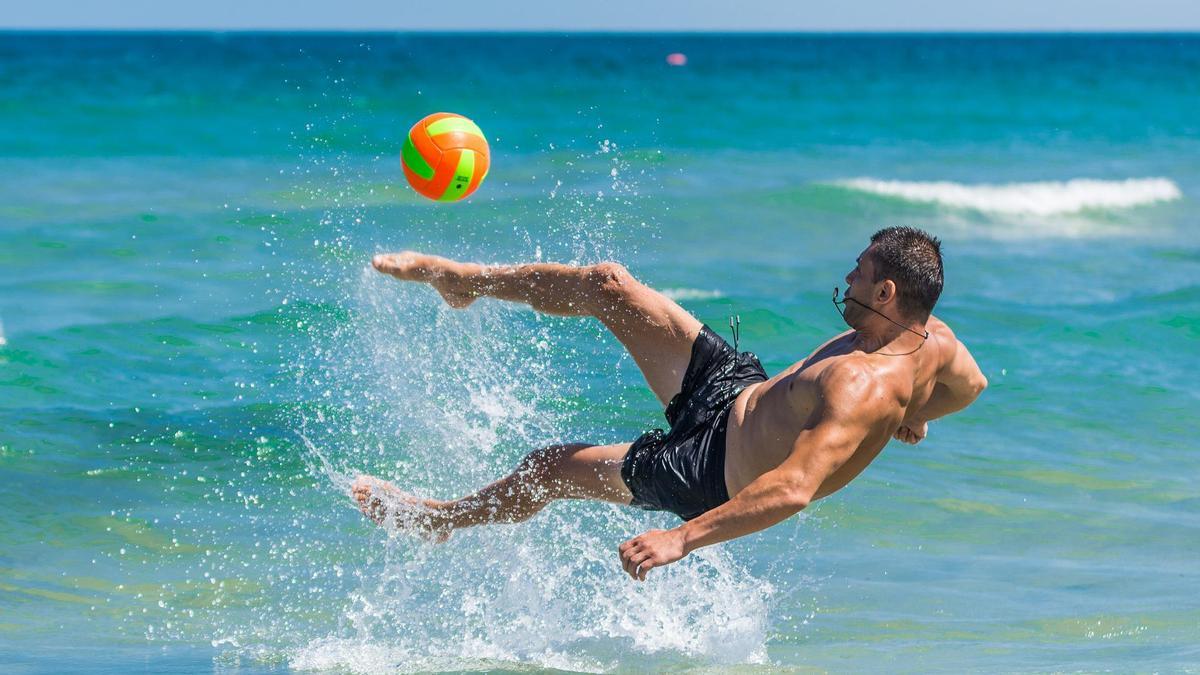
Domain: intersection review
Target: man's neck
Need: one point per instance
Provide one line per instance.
(886, 337)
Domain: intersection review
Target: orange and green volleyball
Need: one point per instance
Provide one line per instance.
(445, 157)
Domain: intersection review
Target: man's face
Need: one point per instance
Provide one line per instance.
(860, 287)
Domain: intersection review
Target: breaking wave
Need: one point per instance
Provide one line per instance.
(691, 294)
(1038, 198)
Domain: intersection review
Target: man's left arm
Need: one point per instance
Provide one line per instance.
(850, 401)
(959, 383)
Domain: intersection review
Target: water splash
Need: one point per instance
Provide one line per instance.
(340, 480)
(465, 394)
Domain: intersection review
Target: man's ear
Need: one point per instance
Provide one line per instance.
(886, 292)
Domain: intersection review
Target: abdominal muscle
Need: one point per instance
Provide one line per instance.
(758, 437)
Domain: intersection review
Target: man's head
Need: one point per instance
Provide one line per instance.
(899, 274)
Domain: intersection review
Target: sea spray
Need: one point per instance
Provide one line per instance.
(470, 391)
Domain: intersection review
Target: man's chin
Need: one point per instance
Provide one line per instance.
(851, 318)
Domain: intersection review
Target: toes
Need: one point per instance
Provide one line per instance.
(403, 265)
(388, 263)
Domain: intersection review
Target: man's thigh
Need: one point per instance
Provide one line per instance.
(591, 472)
(656, 331)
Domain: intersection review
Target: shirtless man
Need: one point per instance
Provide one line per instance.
(743, 451)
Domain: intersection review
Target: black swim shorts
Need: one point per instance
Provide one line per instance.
(683, 470)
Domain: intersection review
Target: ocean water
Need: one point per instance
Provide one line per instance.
(195, 358)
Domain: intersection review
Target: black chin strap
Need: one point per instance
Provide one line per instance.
(840, 308)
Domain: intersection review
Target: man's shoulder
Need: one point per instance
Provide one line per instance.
(940, 330)
(944, 339)
(853, 379)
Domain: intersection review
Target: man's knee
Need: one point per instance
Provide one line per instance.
(609, 283)
(547, 472)
(543, 464)
(609, 277)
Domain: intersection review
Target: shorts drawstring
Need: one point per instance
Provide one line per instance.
(735, 327)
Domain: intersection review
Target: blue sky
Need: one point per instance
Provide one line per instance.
(707, 15)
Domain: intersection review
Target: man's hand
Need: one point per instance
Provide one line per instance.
(652, 549)
(912, 432)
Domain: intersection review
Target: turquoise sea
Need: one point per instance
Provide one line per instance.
(186, 222)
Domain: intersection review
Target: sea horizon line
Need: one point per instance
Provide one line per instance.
(632, 32)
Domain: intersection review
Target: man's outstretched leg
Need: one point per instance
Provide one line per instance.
(656, 331)
(575, 471)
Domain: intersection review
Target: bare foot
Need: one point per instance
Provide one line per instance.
(445, 275)
(378, 499)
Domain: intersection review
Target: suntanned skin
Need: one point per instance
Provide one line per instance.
(796, 438)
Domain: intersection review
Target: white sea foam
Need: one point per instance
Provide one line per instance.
(3, 340)
(1040, 198)
(368, 658)
(691, 294)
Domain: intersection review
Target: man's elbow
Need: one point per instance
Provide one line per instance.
(797, 499)
(978, 384)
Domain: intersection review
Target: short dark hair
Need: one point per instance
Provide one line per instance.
(913, 259)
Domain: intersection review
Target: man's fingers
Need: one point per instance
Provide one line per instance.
(643, 569)
(640, 566)
(639, 563)
(634, 557)
(627, 562)
(631, 546)
(639, 556)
